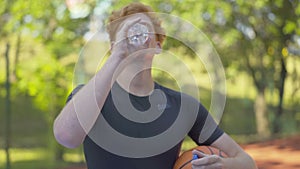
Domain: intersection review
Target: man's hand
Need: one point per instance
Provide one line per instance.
(120, 46)
(207, 161)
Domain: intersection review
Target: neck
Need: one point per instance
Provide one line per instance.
(137, 79)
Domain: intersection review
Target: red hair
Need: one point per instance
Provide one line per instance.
(118, 16)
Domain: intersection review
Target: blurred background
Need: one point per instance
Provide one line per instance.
(258, 42)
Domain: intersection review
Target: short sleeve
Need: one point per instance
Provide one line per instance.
(74, 92)
(205, 130)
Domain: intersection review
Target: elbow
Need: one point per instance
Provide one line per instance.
(64, 138)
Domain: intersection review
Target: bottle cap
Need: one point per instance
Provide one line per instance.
(138, 34)
(195, 157)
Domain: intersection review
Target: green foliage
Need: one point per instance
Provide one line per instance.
(47, 35)
(250, 36)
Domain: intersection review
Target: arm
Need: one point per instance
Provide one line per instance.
(80, 113)
(237, 157)
(85, 105)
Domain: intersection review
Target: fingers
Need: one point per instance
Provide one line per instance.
(122, 33)
(211, 166)
(199, 153)
(120, 43)
(130, 23)
(204, 159)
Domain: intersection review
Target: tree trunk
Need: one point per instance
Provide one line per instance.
(17, 55)
(8, 112)
(277, 124)
(58, 150)
(59, 153)
(262, 122)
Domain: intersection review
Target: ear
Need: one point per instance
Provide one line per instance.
(158, 48)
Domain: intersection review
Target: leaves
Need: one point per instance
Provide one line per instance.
(48, 33)
(289, 27)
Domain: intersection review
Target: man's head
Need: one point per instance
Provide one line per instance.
(118, 16)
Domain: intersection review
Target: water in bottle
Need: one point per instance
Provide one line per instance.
(138, 34)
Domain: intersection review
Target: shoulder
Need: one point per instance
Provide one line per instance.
(77, 88)
(74, 91)
(178, 95)
(168, 91)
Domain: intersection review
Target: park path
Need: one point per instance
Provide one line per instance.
(276, 154)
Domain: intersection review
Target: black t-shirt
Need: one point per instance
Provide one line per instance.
(202, 128)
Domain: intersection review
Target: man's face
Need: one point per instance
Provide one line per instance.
(151, 41)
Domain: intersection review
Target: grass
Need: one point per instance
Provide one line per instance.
(26, 158)
(38, 158)
(28, 124)
(22, 156)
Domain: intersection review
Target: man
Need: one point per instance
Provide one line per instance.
(126, 75)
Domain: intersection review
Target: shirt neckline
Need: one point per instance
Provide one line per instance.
(116, 84)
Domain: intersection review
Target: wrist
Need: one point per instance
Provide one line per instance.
(115, 59)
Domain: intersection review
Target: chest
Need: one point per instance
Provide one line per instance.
(140, 117)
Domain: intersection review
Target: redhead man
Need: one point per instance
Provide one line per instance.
(126, 75)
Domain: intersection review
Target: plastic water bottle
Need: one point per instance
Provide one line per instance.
(138, 34)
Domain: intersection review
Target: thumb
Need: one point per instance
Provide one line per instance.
(199, 153)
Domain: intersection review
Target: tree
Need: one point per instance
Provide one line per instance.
(253, 36)
(47, 37)
(268, 28)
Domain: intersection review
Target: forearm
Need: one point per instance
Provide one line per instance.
(78, 116)
(237, 157)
